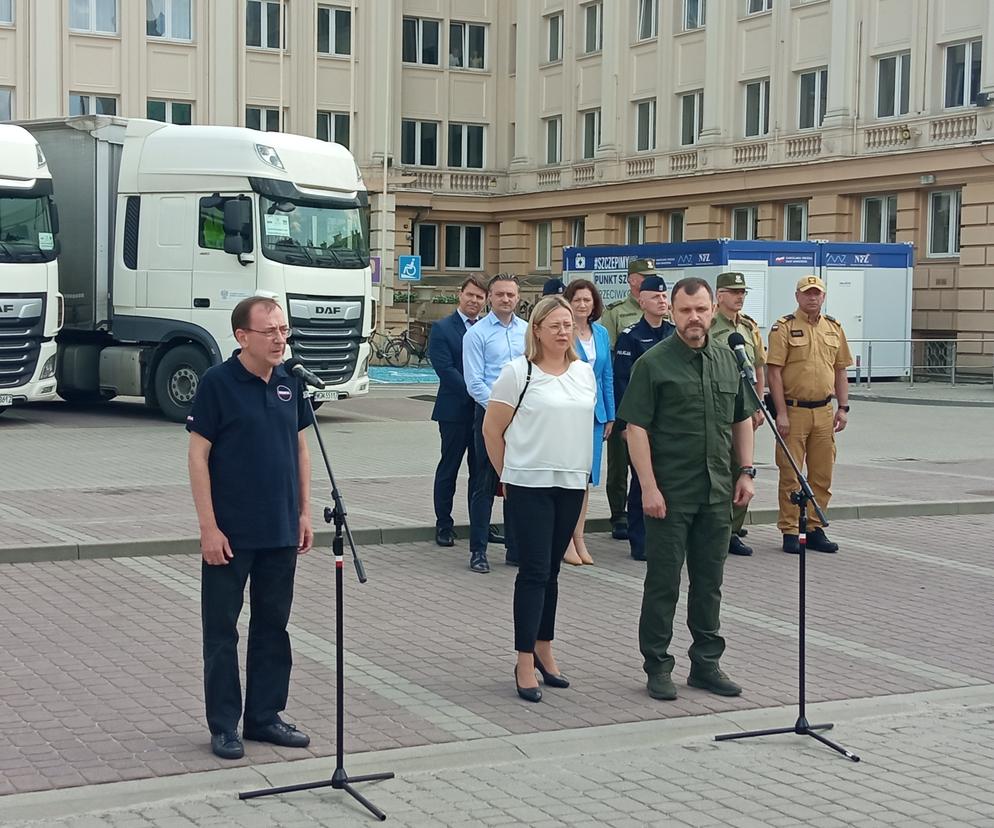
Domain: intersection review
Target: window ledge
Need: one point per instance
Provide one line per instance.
(467, 70)
(91, 33)
(589, 55)
(176, 41)
(330, 55)
(431, 67)
(642, 42)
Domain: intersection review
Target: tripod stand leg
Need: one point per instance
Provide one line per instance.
(748, 734)
(371, 777)
(832, 745)
(362, 800)
(305, 786)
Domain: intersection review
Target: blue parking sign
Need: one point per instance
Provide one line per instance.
(409, 268)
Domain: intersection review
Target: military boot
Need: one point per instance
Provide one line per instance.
(818, 542)
(713, 680)
(661, 687)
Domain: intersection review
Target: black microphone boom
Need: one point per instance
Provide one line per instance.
(737, 343)
(296, 367)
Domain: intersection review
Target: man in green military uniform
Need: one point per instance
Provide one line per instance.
(686, 409)
(618, 316)
(729, 298)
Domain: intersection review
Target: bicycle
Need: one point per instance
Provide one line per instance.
(403, 348)
(388, 349)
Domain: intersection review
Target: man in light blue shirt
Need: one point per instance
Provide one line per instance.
(487, 347)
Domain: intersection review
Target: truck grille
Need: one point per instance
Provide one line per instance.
(327, 346)
(20, 344)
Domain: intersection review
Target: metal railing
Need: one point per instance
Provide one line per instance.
(939, 355)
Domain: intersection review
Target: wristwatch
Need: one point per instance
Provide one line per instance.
(748, 470)
(844, 408)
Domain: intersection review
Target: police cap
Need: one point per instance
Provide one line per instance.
(653, 284)
(553, 287)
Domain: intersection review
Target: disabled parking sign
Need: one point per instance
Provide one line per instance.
(409, 268)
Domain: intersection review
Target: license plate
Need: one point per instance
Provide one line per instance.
(325, 396)
(6, 399)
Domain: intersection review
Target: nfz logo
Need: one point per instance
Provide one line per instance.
(580, 262)
(704, 258)
(686, 259)
(327, 310)
(836, 258)
(861, 258)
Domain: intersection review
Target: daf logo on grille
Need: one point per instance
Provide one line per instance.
(328, 310)
(6, 308)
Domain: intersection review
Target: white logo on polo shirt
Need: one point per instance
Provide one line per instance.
(284, 393)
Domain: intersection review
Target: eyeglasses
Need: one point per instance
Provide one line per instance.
(561, 327)
(273, 333)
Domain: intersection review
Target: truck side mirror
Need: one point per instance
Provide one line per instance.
(237, 226)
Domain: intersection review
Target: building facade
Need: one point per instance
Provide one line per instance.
(511, 128)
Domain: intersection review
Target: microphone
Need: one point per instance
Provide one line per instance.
(296, 367)
(737, 343)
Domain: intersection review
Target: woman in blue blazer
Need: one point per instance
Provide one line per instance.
(594, 346)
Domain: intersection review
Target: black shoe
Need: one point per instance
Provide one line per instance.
(445, 537)
(530, 694)
(619, 531)
(494, 535)
(227, 745)
(736, 547)
(661, 687)
(510, 561)
(550, 679)
(478, 562)
(638, 555)
(818, 542)
(791, 545)
(714, 681)
(279, 733)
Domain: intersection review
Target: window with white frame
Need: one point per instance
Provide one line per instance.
(82, 104)
(691, 117)
(426, 245)
(943, 223)
(635, 229)
(463, 246)
(419, 143)
(693, 14)
(553, 140)
(6, 11)
(263, 24)
(758, 6)
(962, 81)
(593, 27)
(813, 98)
(333, 126)
(420, 41)
(647, 19)
(880, 219)
(795, 221)
(745, 222)
(6, 104)
(554, 32)
(645, 125)
(466, 145)
(266, 119)
(543, 245)
(893, 85)
(467, 45)
(169, 112)
(757, 108)
(99, 16)
(579, 231)
(676, 226)
(591, 133)
(171, 19)
(334, 31)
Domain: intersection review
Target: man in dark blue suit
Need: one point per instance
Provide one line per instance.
(454, 407)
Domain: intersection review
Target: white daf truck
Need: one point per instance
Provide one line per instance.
(30, 303)
(166, 228)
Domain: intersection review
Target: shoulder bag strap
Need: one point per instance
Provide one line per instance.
(528, 379)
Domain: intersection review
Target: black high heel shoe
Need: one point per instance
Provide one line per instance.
(550, 679)
(530, 694)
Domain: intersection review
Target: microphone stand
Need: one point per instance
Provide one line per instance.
(801, 498)
(340, 780)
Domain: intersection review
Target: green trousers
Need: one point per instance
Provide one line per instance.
(701, 538)
(617, 477)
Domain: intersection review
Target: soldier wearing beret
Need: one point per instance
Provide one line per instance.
(806, 368)
(729, 298)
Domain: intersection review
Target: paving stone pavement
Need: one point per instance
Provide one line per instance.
(930, 767)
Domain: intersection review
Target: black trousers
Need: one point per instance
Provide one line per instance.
(481, 498)
(543, 521)
(267, 670)
(457, 441)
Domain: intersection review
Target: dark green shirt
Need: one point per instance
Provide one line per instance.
(687, 399)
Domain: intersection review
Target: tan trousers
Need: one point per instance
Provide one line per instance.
(811, 442)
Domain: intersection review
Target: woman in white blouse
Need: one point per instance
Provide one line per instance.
(539, 435)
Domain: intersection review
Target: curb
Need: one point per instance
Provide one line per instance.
(413, 534)
(484, 752)
(884, 398)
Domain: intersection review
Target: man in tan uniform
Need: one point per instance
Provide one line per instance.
(618, 316)
(806, 366)
(729, 298)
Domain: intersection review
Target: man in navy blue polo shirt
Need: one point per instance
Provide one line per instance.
(250, 476)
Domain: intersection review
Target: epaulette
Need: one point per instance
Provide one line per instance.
(832, 319)
(786, 318)
(629, 328)
(615, 304)
(750, 320)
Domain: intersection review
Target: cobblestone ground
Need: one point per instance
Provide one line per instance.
(931, 768)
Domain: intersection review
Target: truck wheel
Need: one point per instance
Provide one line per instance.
(176, 379)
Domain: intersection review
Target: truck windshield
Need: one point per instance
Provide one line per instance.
(25, 229)
(310, 234)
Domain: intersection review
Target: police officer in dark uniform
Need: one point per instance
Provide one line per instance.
(632, 342)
